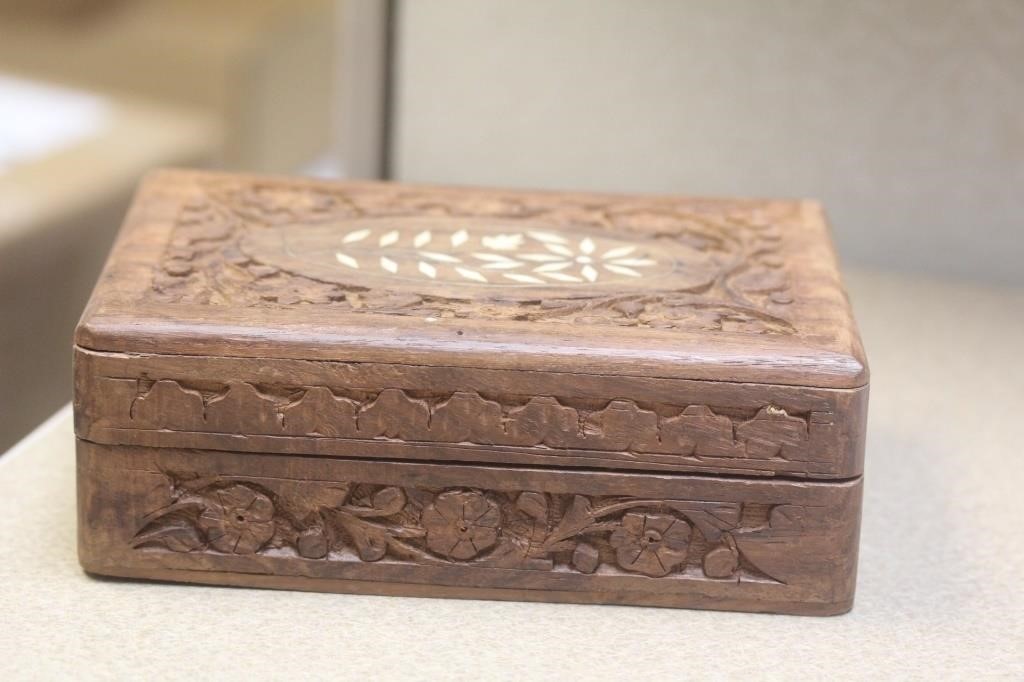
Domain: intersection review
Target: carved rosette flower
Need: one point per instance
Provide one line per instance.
(652, 544)
(461, 523)
(237, 519)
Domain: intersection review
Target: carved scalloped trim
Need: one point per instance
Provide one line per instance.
(467, 417)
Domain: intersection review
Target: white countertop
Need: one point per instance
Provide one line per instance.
(40, 119)
(939, 593)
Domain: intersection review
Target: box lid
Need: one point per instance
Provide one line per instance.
(398, 321)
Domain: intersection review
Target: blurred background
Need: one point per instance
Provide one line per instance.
(906, 117)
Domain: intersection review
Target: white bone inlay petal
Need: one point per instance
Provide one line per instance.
(552, 267)
(539, 257)
(503, 265)
(560, 250)
(587, 245)
(459, 238)
(491, 257)
(525, 279)
(388, 264)
(356, 236)
(427, 269)
(346, 260)
(440, 257)
(471, 274)
(422, 239)
(618, 252)
(589, 272)
(503, 242)
(389, 238)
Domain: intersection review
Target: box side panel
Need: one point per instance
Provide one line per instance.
(398, 411)
(467, 531)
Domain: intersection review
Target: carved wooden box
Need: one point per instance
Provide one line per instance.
(473, 393)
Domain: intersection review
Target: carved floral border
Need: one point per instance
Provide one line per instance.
(203, 262)
(528, 530)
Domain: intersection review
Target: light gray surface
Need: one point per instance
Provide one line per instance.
(939, 594)
(904, 117)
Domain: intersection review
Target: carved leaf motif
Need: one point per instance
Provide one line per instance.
(769, 548)
(371, 541)
(418, 498)
(313, 543)
(770, 431)
(711, 519)
(175, 530)
(621, 425)
(277, 204)
(760, 281)
(514, 551)
(320, 412)
(700, 431)
(466, 417)
(543, 420)
(586, 558)
(723, 560)
(242, 409)
(166, 405)
(395, 415)
(388, 501)
(305, 498)
(786, 517)
(577, 517)
(534, 505)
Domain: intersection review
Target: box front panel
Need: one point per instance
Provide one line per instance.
(505, 532)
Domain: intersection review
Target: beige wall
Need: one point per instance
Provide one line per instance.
(905, 117)
(360, 97)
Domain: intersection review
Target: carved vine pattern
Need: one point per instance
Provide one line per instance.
(467, 526)
(468, 417)
(203, 262)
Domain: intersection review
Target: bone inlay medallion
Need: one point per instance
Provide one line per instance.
(475, 251)
(530, 257)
